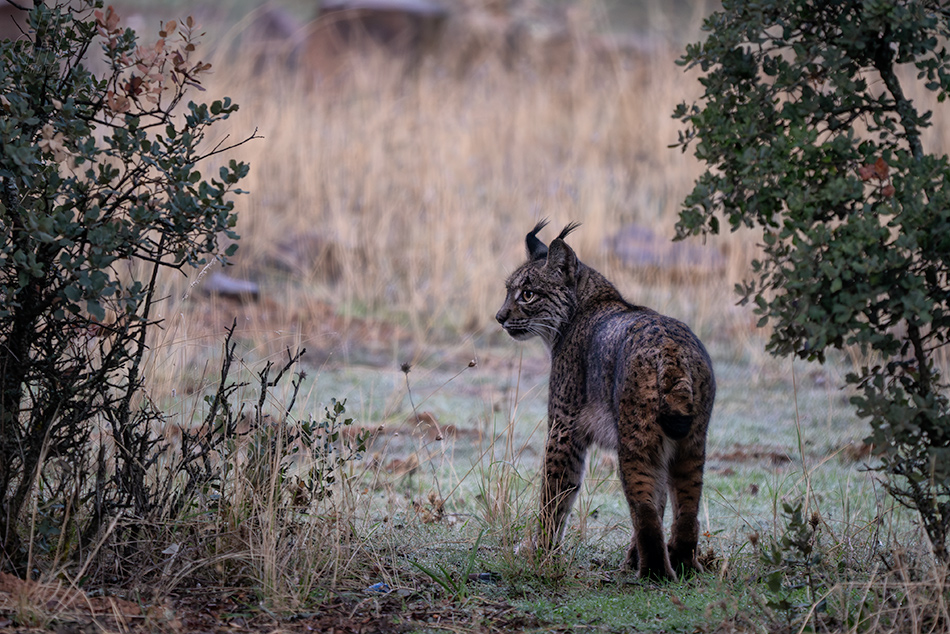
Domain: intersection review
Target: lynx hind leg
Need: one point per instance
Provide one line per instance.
(633, 556)
(643, 457)
(686, 485)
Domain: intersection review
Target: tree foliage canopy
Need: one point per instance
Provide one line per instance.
(809, 135)
(99, 189)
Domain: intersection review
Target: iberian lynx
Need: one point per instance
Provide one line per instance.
(624, 377)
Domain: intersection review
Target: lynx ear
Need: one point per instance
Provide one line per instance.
(562, 258)
(537, 250)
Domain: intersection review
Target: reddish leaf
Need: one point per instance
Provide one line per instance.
(881, 168)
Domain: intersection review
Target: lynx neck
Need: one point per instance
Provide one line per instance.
(594, 289)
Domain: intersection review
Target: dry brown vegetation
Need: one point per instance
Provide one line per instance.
(406, 194)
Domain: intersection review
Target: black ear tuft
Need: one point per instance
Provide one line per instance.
(537, 250)
(567, 230)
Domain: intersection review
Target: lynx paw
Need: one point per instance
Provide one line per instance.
(684, 562)
(658, 570)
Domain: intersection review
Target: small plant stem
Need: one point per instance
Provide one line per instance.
(415, 416)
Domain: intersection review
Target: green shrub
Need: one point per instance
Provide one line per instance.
(99, 190)
(808, 135)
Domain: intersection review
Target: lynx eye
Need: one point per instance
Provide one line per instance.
(528, 296)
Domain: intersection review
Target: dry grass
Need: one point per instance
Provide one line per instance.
(422, 186)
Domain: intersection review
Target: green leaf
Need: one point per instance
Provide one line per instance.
(94, 308)
(72, 293)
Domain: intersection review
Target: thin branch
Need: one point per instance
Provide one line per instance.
(923, 359)
(884, 63)
(218, 149)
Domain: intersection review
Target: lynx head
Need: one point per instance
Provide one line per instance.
(542, 294)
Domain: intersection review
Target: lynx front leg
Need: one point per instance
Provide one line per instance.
(564, 457)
